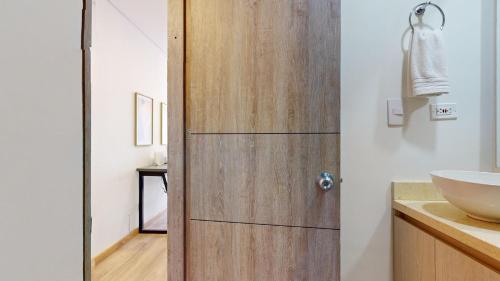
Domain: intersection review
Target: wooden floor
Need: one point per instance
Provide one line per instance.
(158, 222)
(144, 258)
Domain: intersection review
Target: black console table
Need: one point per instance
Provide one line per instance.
(153, 171)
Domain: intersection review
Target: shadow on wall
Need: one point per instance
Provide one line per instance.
(423, 135)
(488, 89)
(374, 247)
(411, 104)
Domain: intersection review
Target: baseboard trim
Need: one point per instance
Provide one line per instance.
(113, 248)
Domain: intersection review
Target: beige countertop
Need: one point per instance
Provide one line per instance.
(429, 208)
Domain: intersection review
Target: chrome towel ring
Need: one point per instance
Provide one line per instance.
(419, 10)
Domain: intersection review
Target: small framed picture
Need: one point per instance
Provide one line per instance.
(143, 120)
(164, 123)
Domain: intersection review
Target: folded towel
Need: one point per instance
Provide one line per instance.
(428, 69)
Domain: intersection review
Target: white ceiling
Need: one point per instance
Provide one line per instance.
(150, 16)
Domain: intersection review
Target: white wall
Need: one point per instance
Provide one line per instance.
(372, 154)
(41, 140)
(488, 85)
(126, 58)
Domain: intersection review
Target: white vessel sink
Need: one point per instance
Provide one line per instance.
(476, 193)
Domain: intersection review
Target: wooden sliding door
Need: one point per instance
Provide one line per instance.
(262, 142)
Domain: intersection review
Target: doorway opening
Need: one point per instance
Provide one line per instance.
(126, 149)
(231, 219)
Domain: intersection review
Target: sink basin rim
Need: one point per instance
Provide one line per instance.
(476, 193)
(493, 179)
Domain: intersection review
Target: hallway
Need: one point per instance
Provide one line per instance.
(144, 258)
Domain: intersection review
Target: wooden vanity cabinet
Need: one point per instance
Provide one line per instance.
(419, 256)
(453, 265)
(413, 253)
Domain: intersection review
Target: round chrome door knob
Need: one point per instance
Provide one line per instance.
(326, 181)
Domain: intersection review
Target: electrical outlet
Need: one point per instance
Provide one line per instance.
(444, 111)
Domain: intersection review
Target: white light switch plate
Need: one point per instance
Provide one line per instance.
(395, 113)
(444, 111)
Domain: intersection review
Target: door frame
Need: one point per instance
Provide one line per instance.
(86, 45)
(176, 140)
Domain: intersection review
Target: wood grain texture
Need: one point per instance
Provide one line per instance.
(262, 83)
(263, 66)
(413, 253)
(176, 192)
(265, 179)
(144, 258)
(244, 252)
(452, 265)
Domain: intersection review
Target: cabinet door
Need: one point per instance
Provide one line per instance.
(453, 265)
(413, 253)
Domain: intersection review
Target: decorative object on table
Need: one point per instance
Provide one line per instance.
(143, 120)
(164, 122)
(160, 158)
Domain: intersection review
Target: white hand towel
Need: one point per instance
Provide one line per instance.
(428, 69)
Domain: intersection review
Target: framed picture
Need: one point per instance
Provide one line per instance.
(143, 120)
(164, 123)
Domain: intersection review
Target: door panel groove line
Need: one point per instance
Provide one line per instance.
(266, 224)
(292, 133)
